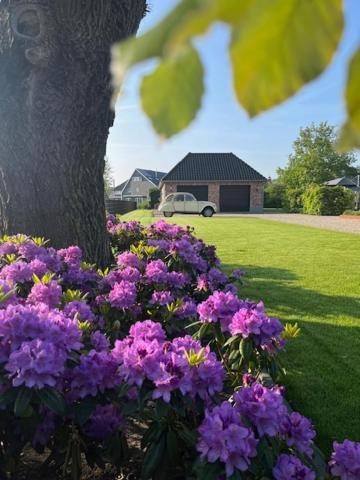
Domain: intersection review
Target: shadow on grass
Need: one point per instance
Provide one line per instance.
(323, 363)
(276, 288)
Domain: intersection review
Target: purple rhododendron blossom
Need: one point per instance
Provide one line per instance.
(345, 460)
(162, 298)
(129, 259)
(219, 307)
(17, 272)
(99, 341)
(289, 467)
(252, 320)
(223, 437)
(129, 274)
(188, 309)
(7, 248)
(123, 295)
(156, 271)
(38, 267)
(20, 323)
(44, 430)
(80, 310)
(262, 406)
(147, 330)
(104, 422)
(298, 432)
(36, 363)
(48, 293)
(71, 255)
(97, 372)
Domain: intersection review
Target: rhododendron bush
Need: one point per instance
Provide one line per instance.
(161, 340)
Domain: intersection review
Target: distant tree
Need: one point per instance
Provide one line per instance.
(314, 160)
(324, 200)
(108, 177)
(274, 194)
(154, 197)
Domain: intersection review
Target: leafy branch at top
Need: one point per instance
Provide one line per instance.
(275, 48)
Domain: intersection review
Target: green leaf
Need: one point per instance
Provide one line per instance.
(22, 401)
(189, 437)
(350, 132)
(278, 46)
(230, 340)
(153, 457)
(161, 409)
(171, 95)
(172, 446)
(53, 399)
(84, 409)
(8, 397)
(246, 348)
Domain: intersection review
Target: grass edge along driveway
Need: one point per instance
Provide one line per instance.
(310, 276)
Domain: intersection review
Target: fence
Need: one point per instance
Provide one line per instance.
(119, 207)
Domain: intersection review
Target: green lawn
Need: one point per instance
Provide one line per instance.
(310, 276)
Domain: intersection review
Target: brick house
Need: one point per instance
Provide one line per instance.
(222, 178)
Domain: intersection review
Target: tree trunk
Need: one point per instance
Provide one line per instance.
(55, 91)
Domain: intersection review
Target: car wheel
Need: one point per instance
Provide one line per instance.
(168, 214)
(208, 212)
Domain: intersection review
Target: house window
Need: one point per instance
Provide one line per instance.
(137, 179)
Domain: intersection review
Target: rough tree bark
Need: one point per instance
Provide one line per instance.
(55, 115)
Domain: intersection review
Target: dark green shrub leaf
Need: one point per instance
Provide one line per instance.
(53, 399)
(172, 446)
(246, 348)
(22, 401)
(8, 397)
(153, 457)
(84, 409)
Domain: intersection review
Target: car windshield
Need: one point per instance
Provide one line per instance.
(169, 198)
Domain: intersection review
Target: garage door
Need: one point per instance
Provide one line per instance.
(200, 192)
(234, 198)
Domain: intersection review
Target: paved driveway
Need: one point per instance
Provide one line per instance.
(330, 223)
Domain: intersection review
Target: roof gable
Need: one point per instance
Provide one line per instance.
(213, 167)
(152, 176)
(120, 187)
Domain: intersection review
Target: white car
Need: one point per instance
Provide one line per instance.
(183, 202)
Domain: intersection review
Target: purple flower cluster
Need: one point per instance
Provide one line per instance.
(251, 320)
(104, 422)
(123, 295)
(298, 432)
(97, 372)
(219, 307)
(146, 355)
(289, 467)
(35, 342)
(264, 408)
(48, 293)
(345, 460)
(224, 437)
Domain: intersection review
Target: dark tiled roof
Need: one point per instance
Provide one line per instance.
(343, 181)
(212, 167)
(120, 187)
(152, 175)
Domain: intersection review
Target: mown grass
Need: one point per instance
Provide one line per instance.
(310, 276)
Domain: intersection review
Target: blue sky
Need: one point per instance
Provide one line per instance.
(265, 142)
